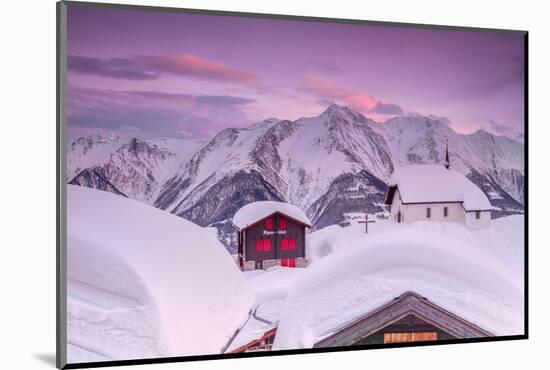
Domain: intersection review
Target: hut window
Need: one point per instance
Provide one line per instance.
(291, 244)
(477, 215)
(428, 212)
(267, 245)
(282, 223)
(284, 244)
(259, 245)
(269, 223)
(445, 211)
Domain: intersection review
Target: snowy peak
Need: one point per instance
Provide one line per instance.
(329, 166)
(226, 155)
(335, 109)
(265, 124)
(338, 113)
(86, 152)
(143, 150)
(83, 145)
(98, 138)
(136, 168)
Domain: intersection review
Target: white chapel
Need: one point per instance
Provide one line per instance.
(432, 192)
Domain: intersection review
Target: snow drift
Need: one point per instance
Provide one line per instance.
(145, 283)
(350, 281)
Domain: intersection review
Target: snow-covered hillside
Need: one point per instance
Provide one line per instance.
(503, 240)
(477, 275)
(342, 287)
(144, 283)
(330, 165)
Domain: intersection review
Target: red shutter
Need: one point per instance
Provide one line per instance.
(288, 262)
(282, 223)
(267, 245)
(284, 244)
(269, 223)
(259, 246)
(291, 244)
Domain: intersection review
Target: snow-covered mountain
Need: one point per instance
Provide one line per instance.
(330, 165)
(86, 152)
(135, 168)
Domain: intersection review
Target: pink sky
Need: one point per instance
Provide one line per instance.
(181, 75)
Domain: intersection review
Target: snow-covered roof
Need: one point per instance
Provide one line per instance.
(374, 269)
(254, 212)
(427, 183)
(145, 283)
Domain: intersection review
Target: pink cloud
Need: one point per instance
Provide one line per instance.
(322, 86)
(195, 66)
(359, 101)
(150, 67)
(328, 90)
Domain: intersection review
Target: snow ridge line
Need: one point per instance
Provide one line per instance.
(265, 321)
(250, 314)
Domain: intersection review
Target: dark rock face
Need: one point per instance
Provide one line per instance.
(497, 195)
(512, 181)
(360, 192)
(95, 179)
(227, 234)
(222, 200)
(265, 152)
(170, 191)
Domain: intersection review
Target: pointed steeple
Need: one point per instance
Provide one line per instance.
(447, 163)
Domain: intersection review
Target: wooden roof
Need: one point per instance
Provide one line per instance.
(266, 335)
(409, 303)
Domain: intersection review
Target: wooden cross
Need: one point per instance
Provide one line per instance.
(366, 222)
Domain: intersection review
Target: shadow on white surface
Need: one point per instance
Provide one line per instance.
(46, 358)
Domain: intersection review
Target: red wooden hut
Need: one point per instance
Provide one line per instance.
(271, 233)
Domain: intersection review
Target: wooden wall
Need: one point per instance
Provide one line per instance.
(278, 238)
(408, 329)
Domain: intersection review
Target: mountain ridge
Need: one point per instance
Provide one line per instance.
(330, 165)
